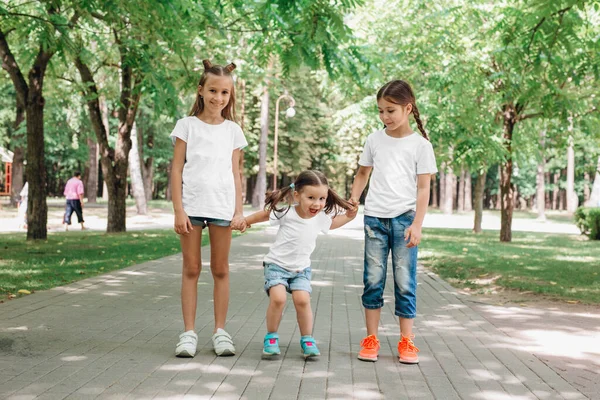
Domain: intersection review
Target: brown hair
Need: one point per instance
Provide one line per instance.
(400, 92)
(229, 111)
(307, 178)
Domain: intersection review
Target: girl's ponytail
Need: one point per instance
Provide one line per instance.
(277, 196)
(334, 202)
(417, 116)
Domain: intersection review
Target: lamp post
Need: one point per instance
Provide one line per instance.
(290, 112)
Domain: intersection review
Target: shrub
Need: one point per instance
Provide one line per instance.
(588, 221)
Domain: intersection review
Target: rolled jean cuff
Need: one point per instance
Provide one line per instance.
(407, 316)
(372, 307)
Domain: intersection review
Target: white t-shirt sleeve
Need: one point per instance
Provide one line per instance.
(426, 160)
(366, 158)
(239, 140)
(325, 222)
(180, 131)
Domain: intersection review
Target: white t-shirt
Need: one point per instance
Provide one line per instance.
(396, 163)
(296, 239)
(208, 185)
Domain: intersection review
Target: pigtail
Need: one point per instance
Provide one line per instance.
(274, 198)
(335, 202)
(207, 65)
(417, 116)
(229, 68)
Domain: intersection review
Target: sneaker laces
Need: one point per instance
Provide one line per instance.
(370, 342)
(406, 344)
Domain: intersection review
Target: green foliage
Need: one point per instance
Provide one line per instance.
(588, 221)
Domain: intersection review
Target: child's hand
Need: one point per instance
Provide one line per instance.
(413, 236)
(183, 225)
(239, 223)
(352, 212)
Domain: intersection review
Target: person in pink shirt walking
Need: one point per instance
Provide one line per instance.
(74, 194)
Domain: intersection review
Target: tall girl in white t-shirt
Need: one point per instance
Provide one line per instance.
(312, 207)
(402, 162)
(206, 190)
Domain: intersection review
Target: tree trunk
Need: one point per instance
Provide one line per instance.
(37, 209)
(434, 191)
(540, 180)
(594, 200)
(449, 188)
(258, 195)
(168, 196)
(506, 187)
(572, 200)
(442, 184)
(556, 192)
(91, 189)
(586, 187)
(135, 172)
(468, 192)
(147, 166)
(461, 191)
(16, 173)
(479, 189)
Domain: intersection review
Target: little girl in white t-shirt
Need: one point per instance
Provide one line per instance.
(207, 191)
(312, 208)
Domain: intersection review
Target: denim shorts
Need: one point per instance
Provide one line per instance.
(383, 235)
(292, 280)
(203, 221)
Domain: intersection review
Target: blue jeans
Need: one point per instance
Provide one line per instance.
(381, 236)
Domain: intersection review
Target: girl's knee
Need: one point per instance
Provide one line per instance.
(191, 270)
(302, 300)
(220, 272)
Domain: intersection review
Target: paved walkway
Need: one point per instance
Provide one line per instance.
(113, 337)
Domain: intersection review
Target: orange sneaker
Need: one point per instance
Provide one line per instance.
(369, 350)
(407, 351)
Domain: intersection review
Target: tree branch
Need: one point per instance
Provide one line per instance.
(528, 116)
(10, 65)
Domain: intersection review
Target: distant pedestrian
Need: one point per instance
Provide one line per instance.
(22, 206)
(312, 207)
(74, 194)
(402, 162)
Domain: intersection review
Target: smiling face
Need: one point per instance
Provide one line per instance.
(393, 115)
(216, 93)
(311, 200)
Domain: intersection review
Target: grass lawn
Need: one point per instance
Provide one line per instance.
(560, 266)
(68, 257)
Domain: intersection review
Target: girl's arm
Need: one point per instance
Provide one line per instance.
(342, 219)
(414, 231)
(259, 216)
(360, 182)
(238, 216)
(182, 222)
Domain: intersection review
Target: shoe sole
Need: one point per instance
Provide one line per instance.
(184, 354)
(225, 353)
(310, 355)
(407, 362)
(367, 359)
(270, 354)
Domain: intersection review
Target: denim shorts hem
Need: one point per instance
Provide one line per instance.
(204, 221)
(407, 316)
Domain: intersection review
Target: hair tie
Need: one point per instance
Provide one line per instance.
(292, 186)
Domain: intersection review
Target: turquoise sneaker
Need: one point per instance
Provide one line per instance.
(271, 347)
(309, 347)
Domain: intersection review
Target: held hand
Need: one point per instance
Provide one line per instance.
(183, 225)
(238, 223)
(413, 236)
(352, 212)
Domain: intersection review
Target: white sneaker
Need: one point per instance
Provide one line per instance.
(187, 344)
(222, 343)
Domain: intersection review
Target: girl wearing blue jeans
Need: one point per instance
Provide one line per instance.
(402, 162)
(312, 207)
